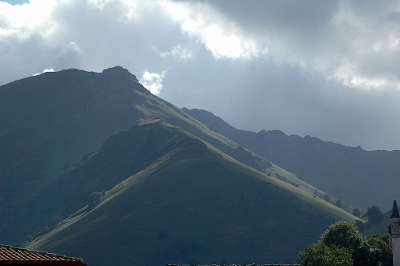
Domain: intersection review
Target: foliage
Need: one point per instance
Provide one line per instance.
(339, 203)
(360, 226)
(374, 215)
(95, 199)
(321, 163)
(321, 255)
(342, 234)
(375, 251)
(381, 250)
(357, 212)
(327, 197)
(164, 204)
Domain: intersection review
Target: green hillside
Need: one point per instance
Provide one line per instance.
(169, 197)
(352, 174)
(53, 122)
(94, 165)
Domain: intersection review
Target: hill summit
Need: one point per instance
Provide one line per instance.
(94, 165)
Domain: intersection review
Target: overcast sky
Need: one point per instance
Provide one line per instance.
(329, 69)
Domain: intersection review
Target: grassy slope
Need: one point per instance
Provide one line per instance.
(364, 178)
(156, 107)
(193, 204)
(51, 121)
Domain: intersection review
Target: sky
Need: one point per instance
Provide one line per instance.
(322, 68)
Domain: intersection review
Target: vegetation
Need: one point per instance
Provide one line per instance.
(374, 215)
(376, 222)
(357, 212)
(82, 152)
(349, 173)
(342, 239)
(321, 255)
(190, 204)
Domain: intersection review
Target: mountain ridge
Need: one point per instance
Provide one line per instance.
(348, 173)
(77, 142)
(225, 190)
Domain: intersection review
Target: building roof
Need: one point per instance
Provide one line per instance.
(10, 255)
(395, 211)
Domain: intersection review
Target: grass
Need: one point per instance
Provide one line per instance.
(194, 204)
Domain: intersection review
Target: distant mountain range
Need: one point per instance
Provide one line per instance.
(94, 165)
(363, 178)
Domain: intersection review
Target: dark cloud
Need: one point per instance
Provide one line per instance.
(316, 48)
(263, 94)
(290, 15)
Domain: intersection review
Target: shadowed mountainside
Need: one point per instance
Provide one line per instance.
(74, 146)
(52, 121)
(189, 203)
(363, 178)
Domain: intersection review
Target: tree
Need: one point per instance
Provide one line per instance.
(321, 255)
(356, 212)
(342, 234)
(374, 215)
(327, 197)
(381, 251)
(95, 199)
(360, 226)
(342, 240)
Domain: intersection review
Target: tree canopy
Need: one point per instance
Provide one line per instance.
(322, 255)
(374, 215)
(341, 245)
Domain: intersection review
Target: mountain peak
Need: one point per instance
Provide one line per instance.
(118, 71)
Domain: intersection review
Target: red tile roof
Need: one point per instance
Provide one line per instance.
(10, 254)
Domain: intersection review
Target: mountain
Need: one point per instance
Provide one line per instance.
(166, 196)
(363, 178)
(74, 146)
(50, 122)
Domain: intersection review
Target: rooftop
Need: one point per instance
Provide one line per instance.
(11, 255)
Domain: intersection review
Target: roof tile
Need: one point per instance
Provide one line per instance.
(14, 254)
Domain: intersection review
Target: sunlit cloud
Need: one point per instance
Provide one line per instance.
(300, 54)
(44, 71)
(26, 18)
(350, 77)
(179, 52)
(153, 81)
(220, 37)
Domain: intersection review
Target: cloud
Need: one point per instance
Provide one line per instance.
(324, 36)
(84, 34)
(153, 81)
(221, 38)
(44, 71)
(178, 51)
(327, 69)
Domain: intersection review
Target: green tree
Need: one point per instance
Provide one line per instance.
(327, 197)
(321, 255)
(342, 234)
(360, 226)
(343, 238)
(380, 250)
(356, 212)
(95, 199)
(374, 215)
